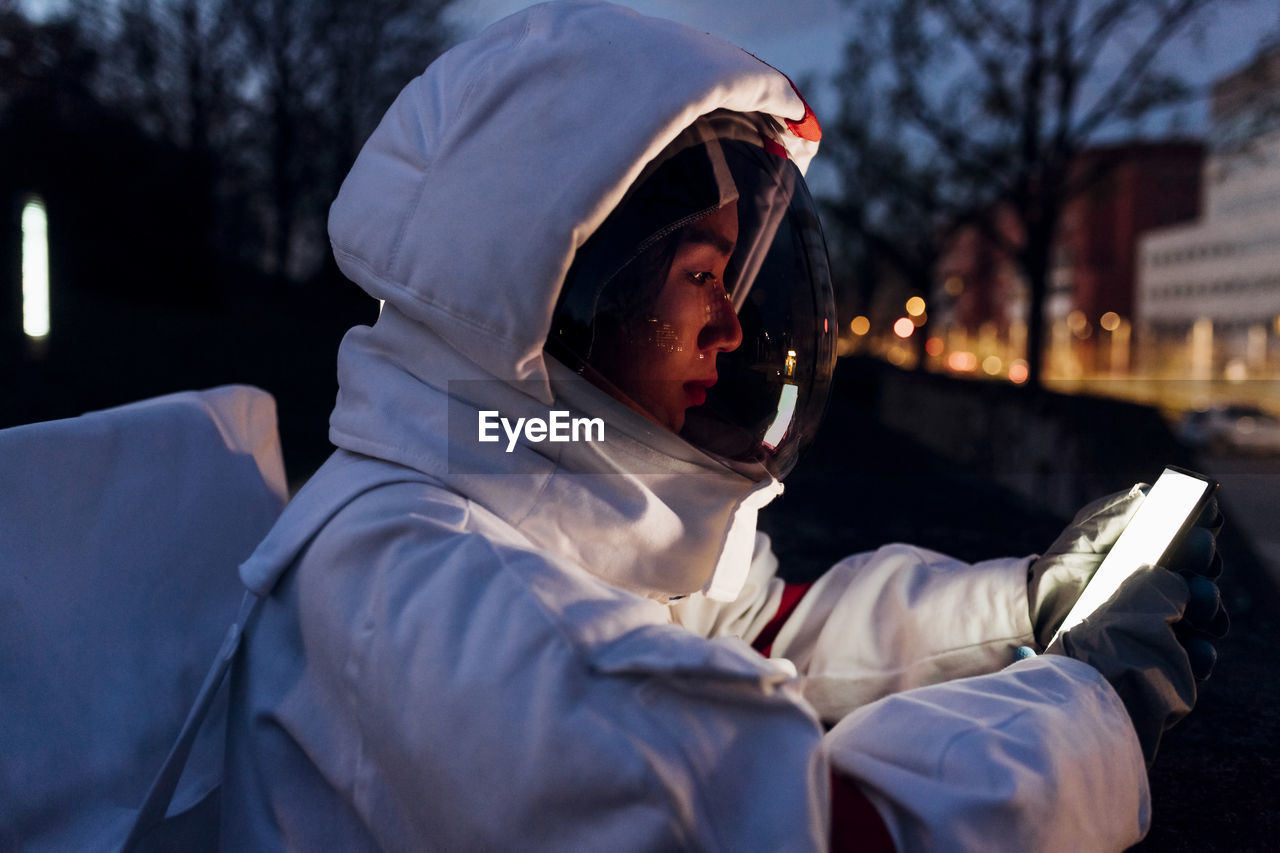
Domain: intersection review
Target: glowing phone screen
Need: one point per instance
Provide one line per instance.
(1171, 505)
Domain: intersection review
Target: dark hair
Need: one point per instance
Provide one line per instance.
(618, 273)
(605, 308)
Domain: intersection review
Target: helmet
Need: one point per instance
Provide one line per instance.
(704, 300)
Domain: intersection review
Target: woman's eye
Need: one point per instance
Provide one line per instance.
(703, 277)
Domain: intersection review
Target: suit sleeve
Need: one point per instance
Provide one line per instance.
(902, 617)
(1039, 756)
(939, 742)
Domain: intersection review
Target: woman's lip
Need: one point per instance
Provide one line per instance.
(697, 390)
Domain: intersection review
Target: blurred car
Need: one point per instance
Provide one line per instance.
(1232, 427)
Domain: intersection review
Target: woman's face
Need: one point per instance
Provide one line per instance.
(664, 362)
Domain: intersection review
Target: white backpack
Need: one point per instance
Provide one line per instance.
(120, 535)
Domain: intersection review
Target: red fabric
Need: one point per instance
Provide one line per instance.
(807, 127)
(855, 823)
(791, 595)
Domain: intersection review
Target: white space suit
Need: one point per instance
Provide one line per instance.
(483, 653)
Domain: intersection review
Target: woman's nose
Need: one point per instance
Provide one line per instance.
(723, 332)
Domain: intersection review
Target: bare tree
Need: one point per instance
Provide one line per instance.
(178, 69)
(327, 70)
(267, 100)
(893, 209)
(957, 109)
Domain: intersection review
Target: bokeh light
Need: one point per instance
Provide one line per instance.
(1078, 324)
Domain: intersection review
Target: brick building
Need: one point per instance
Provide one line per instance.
(1127, 190)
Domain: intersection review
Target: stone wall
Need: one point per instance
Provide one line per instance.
(1058, 451)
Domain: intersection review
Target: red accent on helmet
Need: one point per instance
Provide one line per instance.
(807, 127)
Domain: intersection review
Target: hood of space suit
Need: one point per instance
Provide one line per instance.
(464, 211)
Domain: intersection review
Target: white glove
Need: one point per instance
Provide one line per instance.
(1056, 580)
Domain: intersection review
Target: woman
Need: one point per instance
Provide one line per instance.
(469, 644)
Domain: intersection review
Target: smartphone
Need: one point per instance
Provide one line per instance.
(1168, 510)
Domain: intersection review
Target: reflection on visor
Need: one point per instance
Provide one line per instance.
(782, 422)
(704, 300)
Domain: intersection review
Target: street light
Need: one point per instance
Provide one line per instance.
(35, 269)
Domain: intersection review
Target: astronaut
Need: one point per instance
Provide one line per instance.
(589, 211)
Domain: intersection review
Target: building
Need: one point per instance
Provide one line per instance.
(1209, 291)
(1140, 187)
(1125, 191)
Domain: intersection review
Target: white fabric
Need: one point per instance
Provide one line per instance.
(425, 678)
(477, 174)
(465, 648)
(903, 617)
(120, 533)
(753, 609)
(1026, 759)
(659, 512)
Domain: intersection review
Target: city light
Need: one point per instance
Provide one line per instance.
(915, 306)
(1200, 343)
(1109, 321)
(962, 362)
(35, 269)
(934, 346)
(903, 327)
(1079, 324)
(860, 325)
(1018, 371)
(991, 365)
(954, 286)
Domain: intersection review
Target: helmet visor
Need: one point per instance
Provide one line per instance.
(704, 301)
